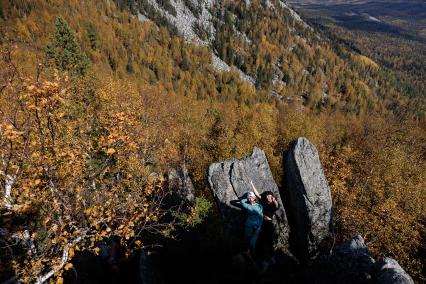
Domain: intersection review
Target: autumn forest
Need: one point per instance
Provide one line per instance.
(96, 105)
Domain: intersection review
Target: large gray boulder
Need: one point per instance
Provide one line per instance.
(307, 198)
(390, 272)
(230, 180)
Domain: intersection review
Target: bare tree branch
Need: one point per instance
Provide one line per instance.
(64, 260)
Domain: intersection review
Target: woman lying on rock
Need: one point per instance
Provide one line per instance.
(253, 222)
(266, 242)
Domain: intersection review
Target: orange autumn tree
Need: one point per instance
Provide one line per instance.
(72, 171)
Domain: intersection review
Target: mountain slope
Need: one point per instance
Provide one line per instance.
(265, 42)
(149, 99)
(273, 49)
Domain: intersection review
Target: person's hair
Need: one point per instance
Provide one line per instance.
(268, 192)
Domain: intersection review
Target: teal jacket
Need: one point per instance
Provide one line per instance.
(254, 214)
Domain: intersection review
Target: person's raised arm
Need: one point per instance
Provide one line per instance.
(255, 190)
(243, 202)
(274, 200)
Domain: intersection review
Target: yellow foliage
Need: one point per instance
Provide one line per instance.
(68, 266)
(366, 61)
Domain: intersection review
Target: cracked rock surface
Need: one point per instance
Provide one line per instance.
(308, 198)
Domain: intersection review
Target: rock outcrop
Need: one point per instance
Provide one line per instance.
(230, 180)
(390, 272)
(308, 205)
(180, 183)
(352, 262)
(307, 198)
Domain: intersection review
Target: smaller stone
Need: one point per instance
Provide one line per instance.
(181, 184)
(354, 247)
(390, 272)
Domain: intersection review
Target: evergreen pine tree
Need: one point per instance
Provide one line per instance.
(92, 34)
(63, 50)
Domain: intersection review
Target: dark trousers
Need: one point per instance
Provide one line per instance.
(265, 248)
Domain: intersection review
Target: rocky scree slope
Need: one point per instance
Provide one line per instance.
(224, 27)
(192, 17)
